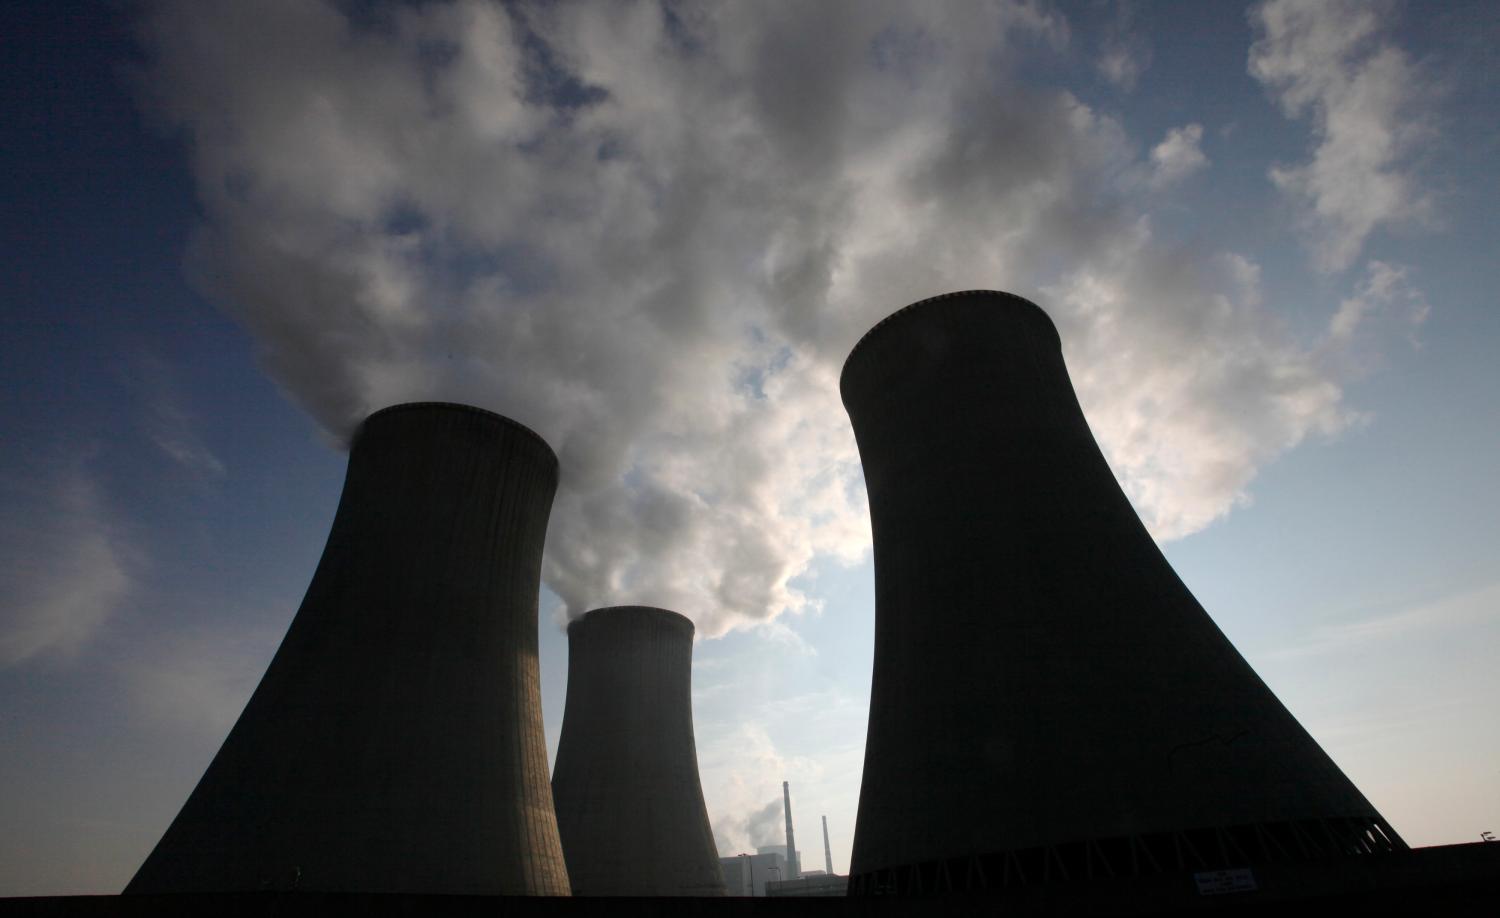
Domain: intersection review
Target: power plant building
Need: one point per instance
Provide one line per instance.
(627, 763)
(395, 743)
(781, 852)
(1049, 702)
(751, 874)
(813, 884)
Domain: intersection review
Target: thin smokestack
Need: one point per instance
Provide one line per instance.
(792, 866)
(827, 851)
(395, 743)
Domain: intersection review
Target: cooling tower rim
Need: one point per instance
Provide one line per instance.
(675, 618)
(906, 312)
(456, 406)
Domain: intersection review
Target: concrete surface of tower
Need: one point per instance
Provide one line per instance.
(629, 803)
(395, 743)
(1044, 684)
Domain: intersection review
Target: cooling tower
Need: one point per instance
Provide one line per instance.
(629, 805)
(395, 743)
(1048, 701)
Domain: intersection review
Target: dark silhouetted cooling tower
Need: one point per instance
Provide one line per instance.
(1048, 701)
(629, 804)
(395, 744)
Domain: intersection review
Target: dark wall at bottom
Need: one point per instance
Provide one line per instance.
(1453, 879)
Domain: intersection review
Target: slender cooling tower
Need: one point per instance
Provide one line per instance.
(629, 804)
(395, 744)
(1048, 699)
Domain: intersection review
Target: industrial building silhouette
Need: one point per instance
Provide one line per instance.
(395, 743)
(1048, 699)
(629, 804)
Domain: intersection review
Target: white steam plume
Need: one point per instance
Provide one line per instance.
(1330, 61)
(653, 231)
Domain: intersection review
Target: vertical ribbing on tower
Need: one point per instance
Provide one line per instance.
(395, 743)
(1042, 677)
(629, 802)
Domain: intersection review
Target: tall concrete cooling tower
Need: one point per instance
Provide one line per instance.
(1048, 701)
(395, 744)
(629, 804)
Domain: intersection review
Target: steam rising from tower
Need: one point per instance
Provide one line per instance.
(395, 744)
(629, 803)
(1045, 691)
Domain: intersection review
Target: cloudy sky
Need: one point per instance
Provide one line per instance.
(652, 232)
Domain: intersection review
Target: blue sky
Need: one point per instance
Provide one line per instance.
(1265, 232)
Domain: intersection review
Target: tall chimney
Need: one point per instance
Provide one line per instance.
(1044, 686)
(792, 865)
(395, 743)
(827, 851)
(629, 802)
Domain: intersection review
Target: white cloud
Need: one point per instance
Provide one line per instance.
(1178, 156)
(1192, 394)
(1124, 52)
(62, 572)
(198, 679)
(741, 772)
(744, 804)
(1469, 609)
(1327, 60)
(652, 234)
(168, 423)
(1386, 287)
